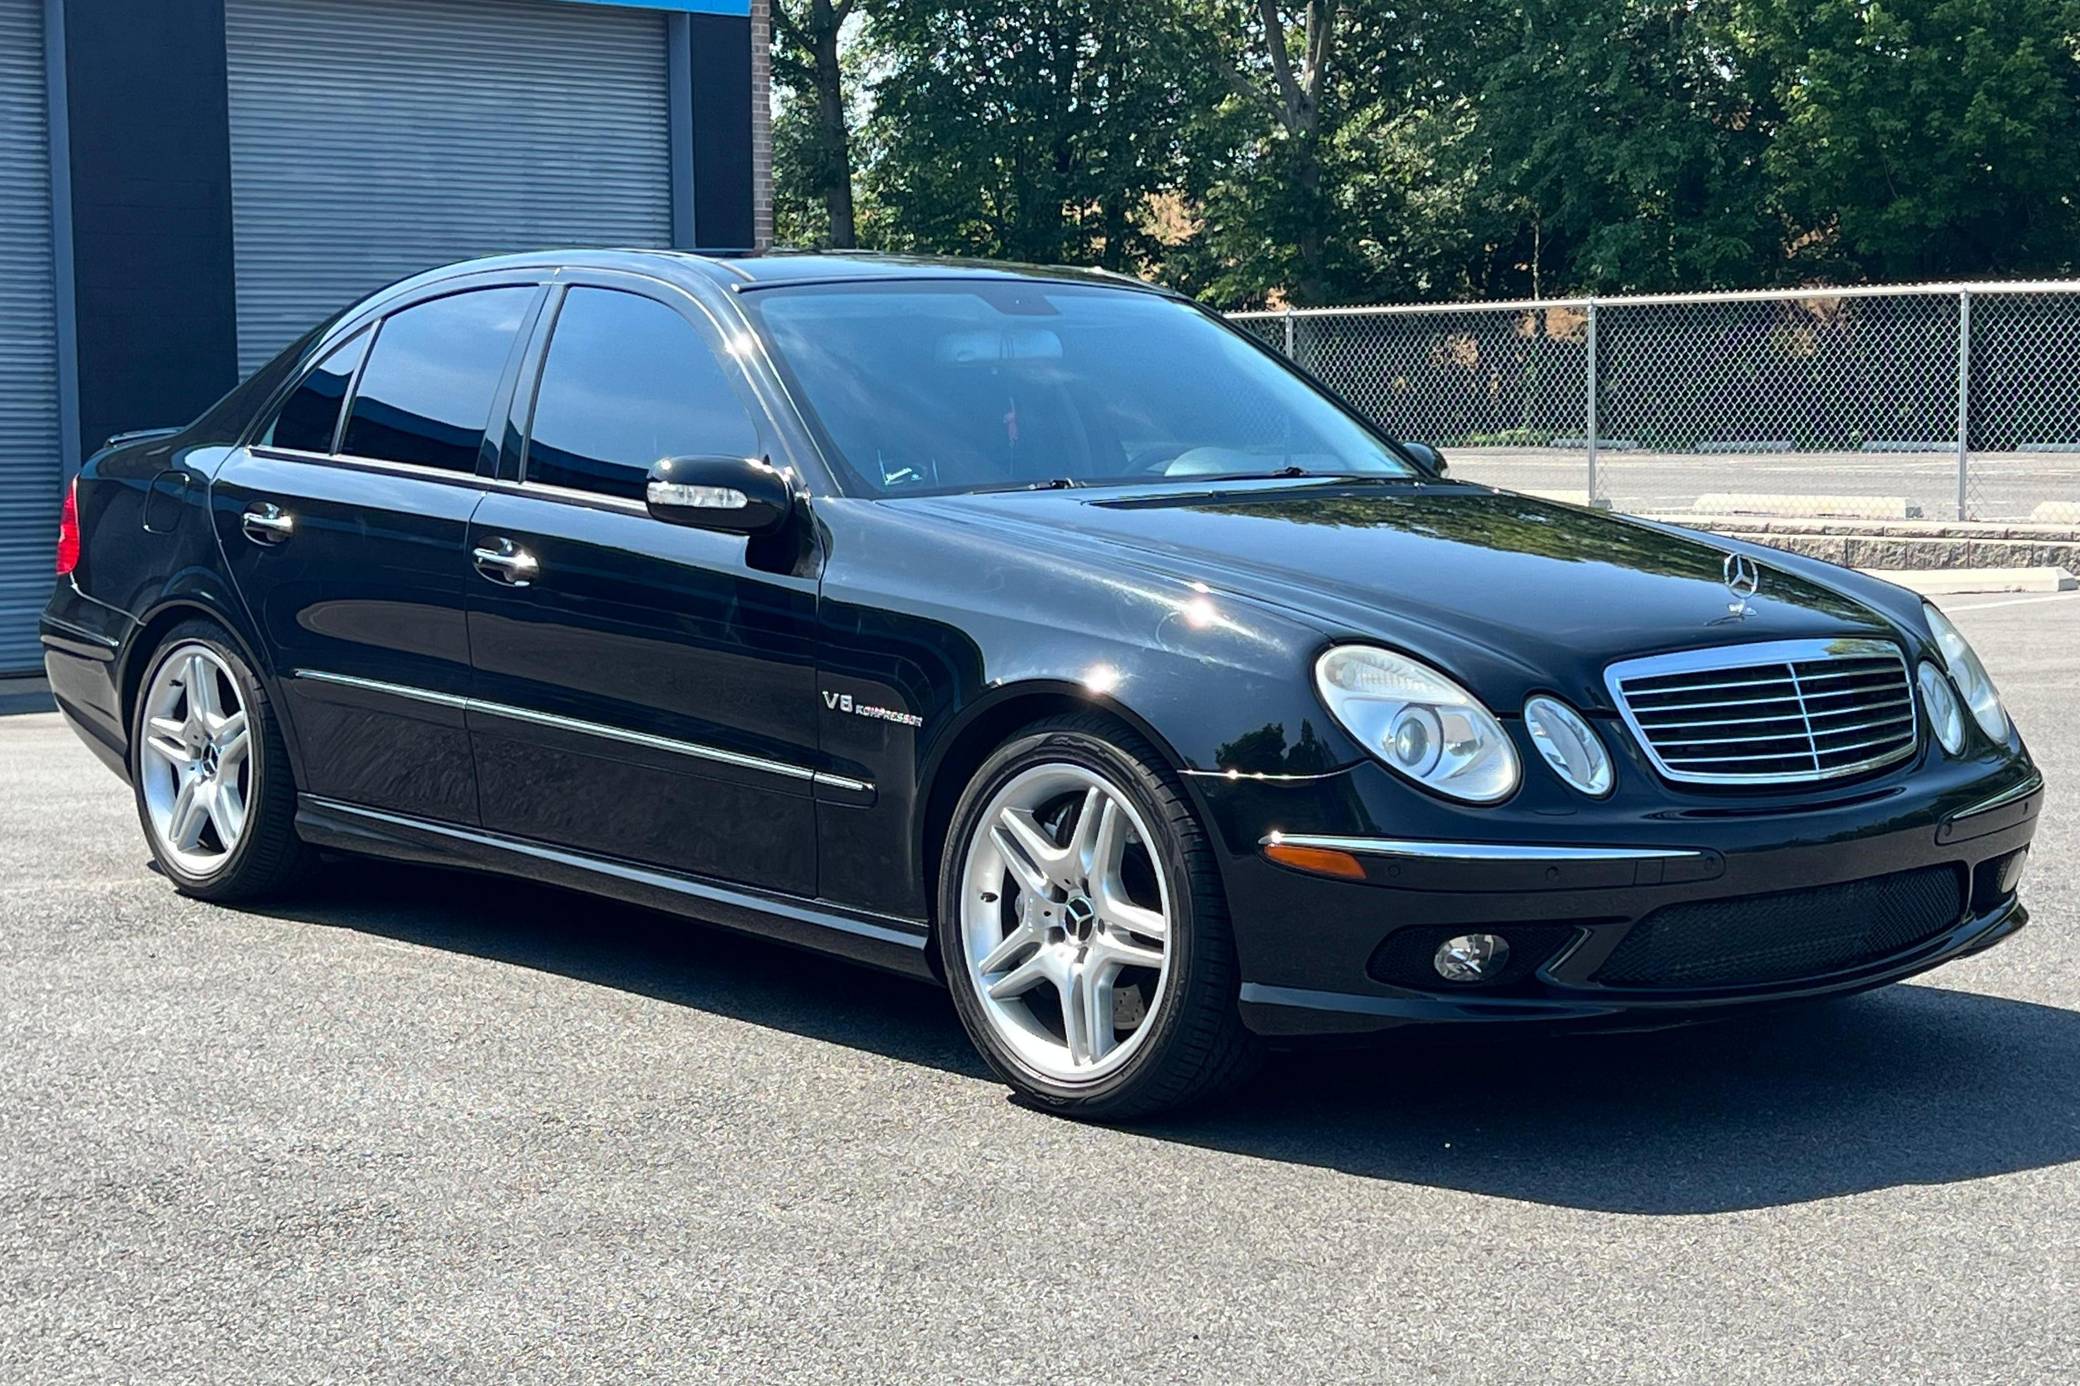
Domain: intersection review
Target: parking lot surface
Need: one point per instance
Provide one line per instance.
(416, 1126)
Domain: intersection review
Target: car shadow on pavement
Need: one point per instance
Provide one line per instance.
(606, 943)
(1914, 1084)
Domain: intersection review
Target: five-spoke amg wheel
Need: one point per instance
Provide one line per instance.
(1082, 926)
(213, 782)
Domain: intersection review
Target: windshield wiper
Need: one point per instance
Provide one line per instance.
(1285, 473)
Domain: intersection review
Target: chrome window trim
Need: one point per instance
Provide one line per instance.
(692, 749)
(379, 464)
(1735, 657)
(1422, 850)
(473, 479)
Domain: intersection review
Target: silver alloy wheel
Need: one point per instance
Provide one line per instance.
(1065, 922)
(195, 767)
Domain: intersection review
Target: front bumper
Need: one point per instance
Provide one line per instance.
(1311, 946)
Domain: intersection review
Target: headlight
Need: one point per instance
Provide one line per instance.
(1941, 703)
(1969, 675)
(1419, 722)
(1568, 745)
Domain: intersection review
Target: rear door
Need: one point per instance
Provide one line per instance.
(645, 691)
(345, 530)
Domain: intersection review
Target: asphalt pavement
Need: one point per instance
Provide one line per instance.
(423, 1127)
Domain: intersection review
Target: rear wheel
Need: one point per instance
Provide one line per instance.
(212, 778)
(1084, 929)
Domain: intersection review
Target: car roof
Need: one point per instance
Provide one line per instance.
(745, 270)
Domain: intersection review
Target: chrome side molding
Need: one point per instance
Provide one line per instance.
(692, 749)
(1413, 849)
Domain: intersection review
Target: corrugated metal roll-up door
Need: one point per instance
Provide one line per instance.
(374, 138)
(31, 470)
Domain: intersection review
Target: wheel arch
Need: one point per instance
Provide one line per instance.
(150, 633)
(986, 725)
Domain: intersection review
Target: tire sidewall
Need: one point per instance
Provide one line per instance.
(1137, 782)
(207, 634)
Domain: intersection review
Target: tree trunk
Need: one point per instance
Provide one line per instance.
(835, 155)
(1312, 279)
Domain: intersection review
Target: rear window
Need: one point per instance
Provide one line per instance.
(425, 395)
(310, 416)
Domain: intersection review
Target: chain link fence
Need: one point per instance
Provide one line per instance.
(1935, 402)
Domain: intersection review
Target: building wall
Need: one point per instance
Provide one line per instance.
(142, 276)
(151, 212)
(151, 215)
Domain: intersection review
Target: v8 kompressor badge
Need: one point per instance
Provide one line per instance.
(843, 702)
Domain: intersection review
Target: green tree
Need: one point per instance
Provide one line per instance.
(1255, 152)
(1027, 131)
(814, 149)
(1611, 145)
(1318, 176)
(1924, 138)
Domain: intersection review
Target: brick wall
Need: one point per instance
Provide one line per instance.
(762, 121)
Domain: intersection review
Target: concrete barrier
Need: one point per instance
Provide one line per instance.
(1566, 497)
(1959, 581)
(1809, 507)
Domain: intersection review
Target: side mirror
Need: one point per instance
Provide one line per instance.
(1426, 457)
(731, 495)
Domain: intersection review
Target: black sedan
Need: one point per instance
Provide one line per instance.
(1032, 630)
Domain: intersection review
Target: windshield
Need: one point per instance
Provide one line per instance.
(979, 385)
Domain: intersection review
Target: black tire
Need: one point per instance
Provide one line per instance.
(1199, 1047)
(268, 857)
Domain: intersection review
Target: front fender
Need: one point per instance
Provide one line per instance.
(914, 662)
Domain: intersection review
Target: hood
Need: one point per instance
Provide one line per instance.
(1507, 591)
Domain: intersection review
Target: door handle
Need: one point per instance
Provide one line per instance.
(506, 563)
(266, 525)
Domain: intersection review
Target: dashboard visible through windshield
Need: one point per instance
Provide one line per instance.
(921, 387)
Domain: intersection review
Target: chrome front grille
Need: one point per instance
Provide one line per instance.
(1785, 712)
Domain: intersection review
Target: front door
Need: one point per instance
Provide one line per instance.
(644, 691)
(346, 538)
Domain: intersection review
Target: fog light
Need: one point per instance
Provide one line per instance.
(2013, 870)
(1472, 958)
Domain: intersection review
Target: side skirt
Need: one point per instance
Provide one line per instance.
(896, 945)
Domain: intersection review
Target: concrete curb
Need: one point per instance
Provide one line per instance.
(1946, 545)
(1955, 582)
(1865, 508)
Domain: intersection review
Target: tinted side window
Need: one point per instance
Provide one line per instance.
(426, 393)
(628, 381)
(310, 415)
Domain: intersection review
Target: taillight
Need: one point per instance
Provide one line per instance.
(68, 530)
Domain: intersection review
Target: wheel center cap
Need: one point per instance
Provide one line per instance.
(209, 760)
(1079, 918)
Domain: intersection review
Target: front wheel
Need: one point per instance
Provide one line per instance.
(214, 788)
(1084, 930)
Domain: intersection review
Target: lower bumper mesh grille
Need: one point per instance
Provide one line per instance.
(1788, 935)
